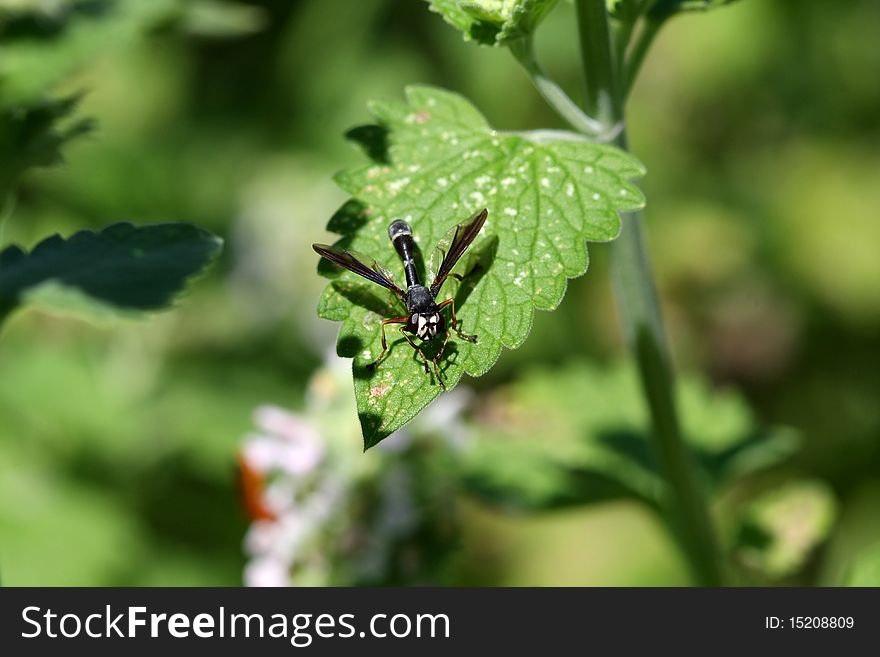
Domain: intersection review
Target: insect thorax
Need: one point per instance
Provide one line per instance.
(419, 299)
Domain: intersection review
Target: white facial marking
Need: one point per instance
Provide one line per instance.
(425, 325)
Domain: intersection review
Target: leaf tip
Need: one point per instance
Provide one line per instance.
(371, 429)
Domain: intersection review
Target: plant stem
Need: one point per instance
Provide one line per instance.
(603, 98)
(640, 316)
(650, 28)
(523, 50)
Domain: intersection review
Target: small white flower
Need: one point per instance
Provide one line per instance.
(267, 571)
(307, 472)
(289, 443)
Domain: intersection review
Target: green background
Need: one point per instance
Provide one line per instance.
(759, 125)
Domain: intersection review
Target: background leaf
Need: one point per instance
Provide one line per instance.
(580, 434)
(38, 49)
(30, 136)
(546, 197)
(123, 266)
(781, 529)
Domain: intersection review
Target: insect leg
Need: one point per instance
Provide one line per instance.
(437, 360)
(421, 353)
(451, 302)
(393, 320)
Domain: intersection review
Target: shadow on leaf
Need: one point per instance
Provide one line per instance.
(370, 425)
(482, 260)
(373, 139)
(349, 346)
(363, 296)
(351, 217)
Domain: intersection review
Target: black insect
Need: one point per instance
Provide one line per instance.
(424, 319)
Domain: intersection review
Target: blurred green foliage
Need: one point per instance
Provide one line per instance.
(759, 125)
(782, 527)
(121, 267)
(30, 137)
(595, 445)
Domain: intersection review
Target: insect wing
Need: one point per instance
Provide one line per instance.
(359, 264)
(465, 233)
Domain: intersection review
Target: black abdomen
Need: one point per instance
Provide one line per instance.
(401, 236)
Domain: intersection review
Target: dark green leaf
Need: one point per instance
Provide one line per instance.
(547, 195)
(125, 267)
(30, 136)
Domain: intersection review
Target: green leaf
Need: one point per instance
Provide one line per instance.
(865, 569)
(580, 434)
(493, 22)
(126, 267)
(32, 136)
(436, 162)
(782, 527)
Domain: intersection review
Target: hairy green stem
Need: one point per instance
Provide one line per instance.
(639, 309)
(523, 50)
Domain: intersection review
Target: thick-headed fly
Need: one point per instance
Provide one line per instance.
(424, 319)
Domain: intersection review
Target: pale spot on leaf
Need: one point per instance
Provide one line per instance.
(379, 391)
